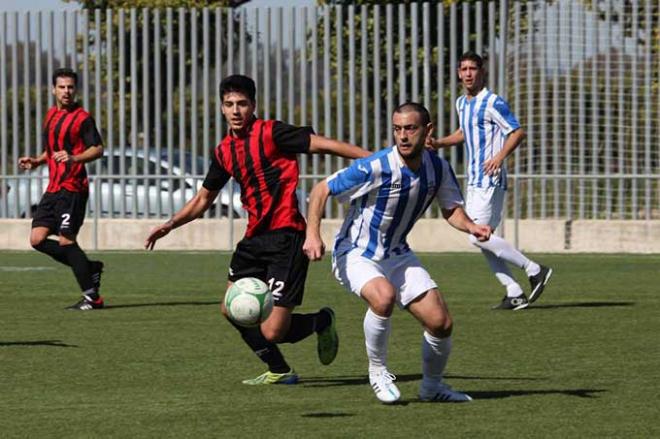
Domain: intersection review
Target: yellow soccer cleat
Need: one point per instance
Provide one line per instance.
(269, 377)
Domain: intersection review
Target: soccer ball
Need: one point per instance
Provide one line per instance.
(248, 302)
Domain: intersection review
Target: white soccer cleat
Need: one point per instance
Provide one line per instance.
(442, 393)
(382, 382)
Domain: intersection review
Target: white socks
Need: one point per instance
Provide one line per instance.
(435, 353)
(503, 274)
(502, 250)
(376, 335)
(498, 252)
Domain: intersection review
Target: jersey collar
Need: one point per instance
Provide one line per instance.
(404, 166)
(70, 109)
(248, 130)
(482, 93)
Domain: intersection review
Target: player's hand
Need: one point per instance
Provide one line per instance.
(493, 166)
(157, 233)
(314, 248)
(27, 163)
(481, 231)
(430, 143)
(62, 156)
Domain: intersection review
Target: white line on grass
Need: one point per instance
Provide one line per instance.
(9, 268)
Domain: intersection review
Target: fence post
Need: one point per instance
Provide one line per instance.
(97, 209)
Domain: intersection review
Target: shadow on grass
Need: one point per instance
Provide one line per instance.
(580, 305)
(326, 415)
(53, 343)
(501, 394)
(359, 380)
(142, 305)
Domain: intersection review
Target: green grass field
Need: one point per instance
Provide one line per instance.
(160, 361)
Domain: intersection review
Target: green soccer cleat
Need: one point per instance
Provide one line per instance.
(269, 377)
(328, 340)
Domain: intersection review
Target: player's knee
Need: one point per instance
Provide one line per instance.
(473, 240)
(383, 303)
(64, 241)
(36, 242)
(273, 334)
(440, 326)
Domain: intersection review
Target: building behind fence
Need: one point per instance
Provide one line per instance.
(582, 77)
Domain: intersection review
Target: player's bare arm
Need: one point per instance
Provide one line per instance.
(458, 219)
(192, 210)
(32, 162)
(90, 154)
(314, 247)
(445, 142)
(492, 166)
(324, 145)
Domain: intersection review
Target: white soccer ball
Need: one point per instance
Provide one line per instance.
(248, 302)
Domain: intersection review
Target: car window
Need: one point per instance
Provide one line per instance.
(101, 164)
(166, 183)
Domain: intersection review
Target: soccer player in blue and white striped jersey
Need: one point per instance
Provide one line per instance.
(490, 133)
(388, 192)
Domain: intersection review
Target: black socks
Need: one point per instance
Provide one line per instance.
(73, 256)
(77, 260)
(53, 249)
(304, 325)
(267, 352)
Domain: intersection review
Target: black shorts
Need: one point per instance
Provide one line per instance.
(62, 212)
(276, 257)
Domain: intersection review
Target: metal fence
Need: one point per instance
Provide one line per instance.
(584, 80)
(150, 77)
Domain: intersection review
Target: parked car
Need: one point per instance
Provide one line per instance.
(164, 190)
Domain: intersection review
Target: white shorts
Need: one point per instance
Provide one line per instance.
(484, 205)
(405, 272)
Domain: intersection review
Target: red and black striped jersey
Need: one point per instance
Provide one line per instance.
(73, 130)
(265, 166)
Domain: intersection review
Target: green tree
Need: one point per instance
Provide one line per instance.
(436, 50)
(192, 9)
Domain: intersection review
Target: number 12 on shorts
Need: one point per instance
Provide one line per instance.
(276, 286)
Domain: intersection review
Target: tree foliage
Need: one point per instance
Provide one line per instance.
(157, 4)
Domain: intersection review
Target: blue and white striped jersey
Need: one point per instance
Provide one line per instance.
(386, 199)
(486, 121)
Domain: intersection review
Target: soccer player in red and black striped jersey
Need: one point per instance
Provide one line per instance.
(70, 140)
(261, 156)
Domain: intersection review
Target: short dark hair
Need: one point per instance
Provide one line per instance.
(240, 84)
(417, 108)
(65, 73)
(473, 56)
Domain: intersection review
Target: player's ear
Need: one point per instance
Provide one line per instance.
(429, 129)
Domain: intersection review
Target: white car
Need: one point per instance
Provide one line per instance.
(159, 192)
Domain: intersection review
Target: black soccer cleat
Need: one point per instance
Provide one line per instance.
(85, 304)
(328, 340)
(538, 283)
(96, 268)
(513, 303)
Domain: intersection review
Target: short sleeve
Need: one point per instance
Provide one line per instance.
(449, 194)
(503, 117)
(291, 139)
(89, 133)
(351, 182)
(216, 177)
